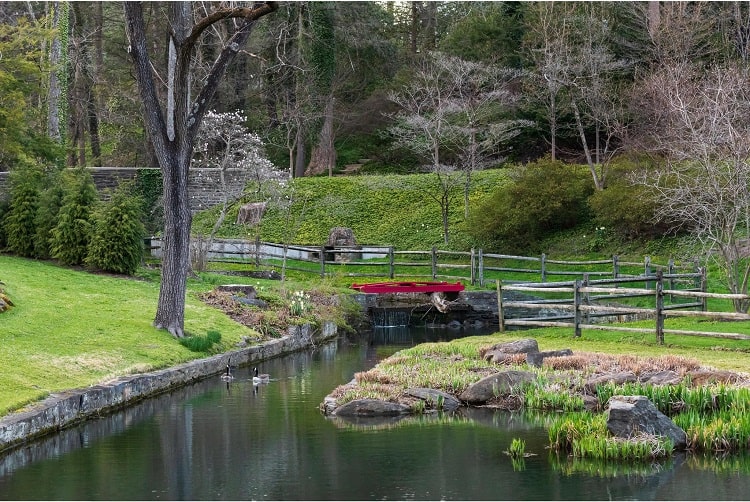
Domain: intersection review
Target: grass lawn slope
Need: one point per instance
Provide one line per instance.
(72, 329)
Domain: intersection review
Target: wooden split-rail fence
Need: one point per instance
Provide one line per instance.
(599, 291)
(592, 299)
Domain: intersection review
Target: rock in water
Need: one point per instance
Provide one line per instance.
(627, 416)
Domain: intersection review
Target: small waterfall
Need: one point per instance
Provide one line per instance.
(389, 318)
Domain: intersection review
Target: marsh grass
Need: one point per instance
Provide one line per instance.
(722, 431)
(552, 400)
(585, 435)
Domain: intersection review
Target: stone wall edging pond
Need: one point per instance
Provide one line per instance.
(67, 408)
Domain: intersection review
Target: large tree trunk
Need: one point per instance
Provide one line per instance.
(323, 156)
(170, 312)
(173, 128)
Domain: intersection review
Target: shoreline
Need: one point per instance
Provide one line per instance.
(65, 409)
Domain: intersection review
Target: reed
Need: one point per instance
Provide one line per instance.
(723, 431)
(517, 448)
(585, 435)
(552, 400)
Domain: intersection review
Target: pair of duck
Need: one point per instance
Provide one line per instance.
(257, 377)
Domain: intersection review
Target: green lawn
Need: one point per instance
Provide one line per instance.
(73, 329)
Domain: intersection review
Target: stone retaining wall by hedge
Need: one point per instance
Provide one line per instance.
(63, 409)
(204, 184)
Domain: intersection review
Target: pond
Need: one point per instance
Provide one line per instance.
(238, 441)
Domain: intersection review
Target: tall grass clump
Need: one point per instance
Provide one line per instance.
(722, 431)
(199, 343)
(537, 398)
(585, 435)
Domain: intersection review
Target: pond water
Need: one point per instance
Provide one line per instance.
(238, 441)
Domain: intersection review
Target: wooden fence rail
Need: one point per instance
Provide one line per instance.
(581, 309)
(474, 266)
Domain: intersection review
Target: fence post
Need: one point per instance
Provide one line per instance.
(322, 261)
(544, 267)
(500, 313)
(659, 307)
(704, 300)
(481, 267)
(391, 271)
(647, 270)
(670, 271)
(586, 299)
(434, 262)
(257, 251)
(473, 264)
(615, 266)
(577, 309)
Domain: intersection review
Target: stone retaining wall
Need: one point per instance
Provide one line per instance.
(63, 409)
(204, 184)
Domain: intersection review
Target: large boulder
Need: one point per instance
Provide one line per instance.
(617, 378)
(341, 236)
(371, 408)
(628, 416)
(495, 385)
(503, 352)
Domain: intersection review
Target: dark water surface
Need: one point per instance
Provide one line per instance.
(213, 441)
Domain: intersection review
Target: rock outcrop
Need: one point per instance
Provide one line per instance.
(495, 385)
(629, 416)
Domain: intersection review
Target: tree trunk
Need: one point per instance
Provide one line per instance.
(586, 149)
(323, 156)
(170, 312)
(173, 129)
(54, 93)
(299, 159)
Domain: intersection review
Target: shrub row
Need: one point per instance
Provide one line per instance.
(57, 214)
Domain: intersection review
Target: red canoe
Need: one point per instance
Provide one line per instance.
(409, 287)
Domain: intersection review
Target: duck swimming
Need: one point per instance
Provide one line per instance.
(260, 378)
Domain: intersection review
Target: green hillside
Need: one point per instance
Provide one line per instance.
(397, 210)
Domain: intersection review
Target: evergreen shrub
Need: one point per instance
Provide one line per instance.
(117, 239)
(19, 224)
(50, 202)
(626, 208)
(71, 235)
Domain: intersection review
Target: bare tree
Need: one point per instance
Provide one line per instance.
(482, 98)
(173, 126)
(576, 70)
(424, 126)
(701, 122)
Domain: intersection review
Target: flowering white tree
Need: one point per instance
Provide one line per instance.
(224, 143)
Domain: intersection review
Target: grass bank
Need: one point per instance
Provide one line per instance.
(73, 329)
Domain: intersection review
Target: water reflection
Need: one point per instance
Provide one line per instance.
(244, 441)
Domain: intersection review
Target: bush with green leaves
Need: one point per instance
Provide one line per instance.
(117, 239)
(4, 209)
(71, 235)
(544, 197)
(50, 202)
(19, 223)
(624, 207)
